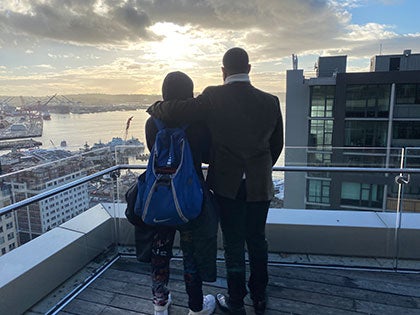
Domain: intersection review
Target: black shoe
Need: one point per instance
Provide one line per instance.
(259, 306)
(224, 305)
(260, 303)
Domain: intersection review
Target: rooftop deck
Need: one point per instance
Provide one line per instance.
(124, 288)
(323, 262)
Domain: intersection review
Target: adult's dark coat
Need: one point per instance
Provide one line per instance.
(246, 129)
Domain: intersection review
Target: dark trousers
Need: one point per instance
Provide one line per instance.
(192, 279)
(243, 223)
(161, 255)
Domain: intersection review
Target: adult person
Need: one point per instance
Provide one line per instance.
(246, 128)
(198, 239)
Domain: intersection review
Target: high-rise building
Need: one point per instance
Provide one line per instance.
(365, 119)
(8, 232)
(58, 168)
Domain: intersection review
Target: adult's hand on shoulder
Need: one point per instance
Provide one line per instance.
(152, 109)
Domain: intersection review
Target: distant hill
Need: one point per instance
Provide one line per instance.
(83, 99)
(108, 99)
(94, 100)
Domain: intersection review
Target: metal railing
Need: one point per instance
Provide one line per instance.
(400, 178)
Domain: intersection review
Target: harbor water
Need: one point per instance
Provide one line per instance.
(78, 129)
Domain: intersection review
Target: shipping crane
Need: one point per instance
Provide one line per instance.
(126, 127)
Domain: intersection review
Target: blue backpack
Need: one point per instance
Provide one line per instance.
(171, 193)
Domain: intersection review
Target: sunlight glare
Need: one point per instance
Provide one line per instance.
(176, 46)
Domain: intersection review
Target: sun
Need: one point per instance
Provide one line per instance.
(177, 46)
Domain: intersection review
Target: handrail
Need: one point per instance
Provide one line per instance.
(85, 179)
(57, 190)
(347, 169)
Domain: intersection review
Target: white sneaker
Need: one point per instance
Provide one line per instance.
(163, 309)
(209, 304)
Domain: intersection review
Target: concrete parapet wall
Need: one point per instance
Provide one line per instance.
(327, 232)
(344, 233)
(31, 271)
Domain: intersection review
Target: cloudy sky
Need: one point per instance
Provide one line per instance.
(128, 46)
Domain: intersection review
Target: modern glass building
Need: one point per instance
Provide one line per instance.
(369, 119)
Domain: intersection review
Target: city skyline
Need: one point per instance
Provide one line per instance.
(127, 47)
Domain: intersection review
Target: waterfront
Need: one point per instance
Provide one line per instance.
(77, 129)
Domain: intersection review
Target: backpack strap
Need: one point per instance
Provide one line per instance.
(159, 123)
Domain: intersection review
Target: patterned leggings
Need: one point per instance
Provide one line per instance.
(161, 256)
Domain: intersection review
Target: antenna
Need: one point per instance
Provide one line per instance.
(380, 49)
(295, 61)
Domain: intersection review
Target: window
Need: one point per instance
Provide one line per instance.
(12, 246)
(360, 194)
(418, 94)
(318, 191)
(9, 225)
(410, 191)
(10, 236)
(406, 130)
(1, 239)
(407, 93)
(3, 251)
(368, 100)
(356, 100)
(365, 133)
(364, 160)
(319, 158)
(412, 159)
(394, 64)
(320, 133)
(322, 100)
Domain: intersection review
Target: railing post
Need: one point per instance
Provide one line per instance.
(400, 180)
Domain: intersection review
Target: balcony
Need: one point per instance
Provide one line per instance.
(322, 261)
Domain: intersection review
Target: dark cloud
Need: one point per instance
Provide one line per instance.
(118, 21)
(271, 27)
(78, 21)
(271, 15)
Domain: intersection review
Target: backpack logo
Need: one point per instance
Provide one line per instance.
(172, 191)
(160, 221)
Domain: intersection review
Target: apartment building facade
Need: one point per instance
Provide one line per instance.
(58, 168)
(369, 119)
(8, 232)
